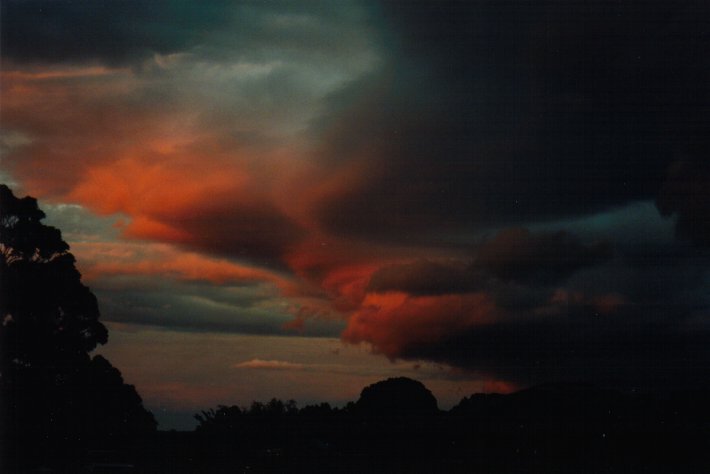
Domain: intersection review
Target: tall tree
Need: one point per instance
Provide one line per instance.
(49, 316)
(53, 392)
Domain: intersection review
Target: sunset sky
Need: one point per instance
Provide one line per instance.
(297, 199)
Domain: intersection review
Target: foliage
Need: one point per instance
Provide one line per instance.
(49, 318)
(55, 395)
(548, 428)
(222, 420)
(397, 396)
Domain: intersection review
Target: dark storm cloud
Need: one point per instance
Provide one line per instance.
(114, 31)
(627, 352)
(424, 277)
(672, 274)
(517, 254)
(687, 194)
(514, 255)
(638, 320)
(259, 235)
(123, 31)
(551, 309)
(509, 112)
(576, 337)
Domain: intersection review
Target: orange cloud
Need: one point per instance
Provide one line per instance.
(99, 260)
(93, 136)
(334, 274)
(96, 138)
(143, 227)
(393, 321)
(154, 185)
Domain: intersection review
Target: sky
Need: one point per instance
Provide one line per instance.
(297, 199)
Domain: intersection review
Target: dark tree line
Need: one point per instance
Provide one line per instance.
(396, 427)
(57, 400)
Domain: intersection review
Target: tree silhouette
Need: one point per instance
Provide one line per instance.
(224, 419)
(395, 427)
(51, 388)
(397, 396)
(49, 316)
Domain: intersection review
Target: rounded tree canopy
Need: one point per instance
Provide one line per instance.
(397, 396)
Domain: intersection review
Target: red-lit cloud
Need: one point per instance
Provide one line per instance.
(369, 182)
(100, 260)
(392, 322)
(85, 142)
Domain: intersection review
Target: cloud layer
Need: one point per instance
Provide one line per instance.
(482, 184)
(530, 308)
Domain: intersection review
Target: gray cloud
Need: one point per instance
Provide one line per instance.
(126, 31)
(513, 257)
(493, 114)
(686, 194)
(518, 255)
(564, 311)
(628, 351)
(201, 307)
(114, 31)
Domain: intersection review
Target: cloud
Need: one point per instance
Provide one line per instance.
(632, 347)
(194, 141)
(327, 166)
(512, 255)
(228, 211)
(103, 260)
(530, 307)
(518, 255)
(601, 339)
(268, 365)
(686, 193)
(192, 307)
(425, 277)
(497, 115)
(127, 31)
(142, 163)
(394, 321)
(114, 31)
